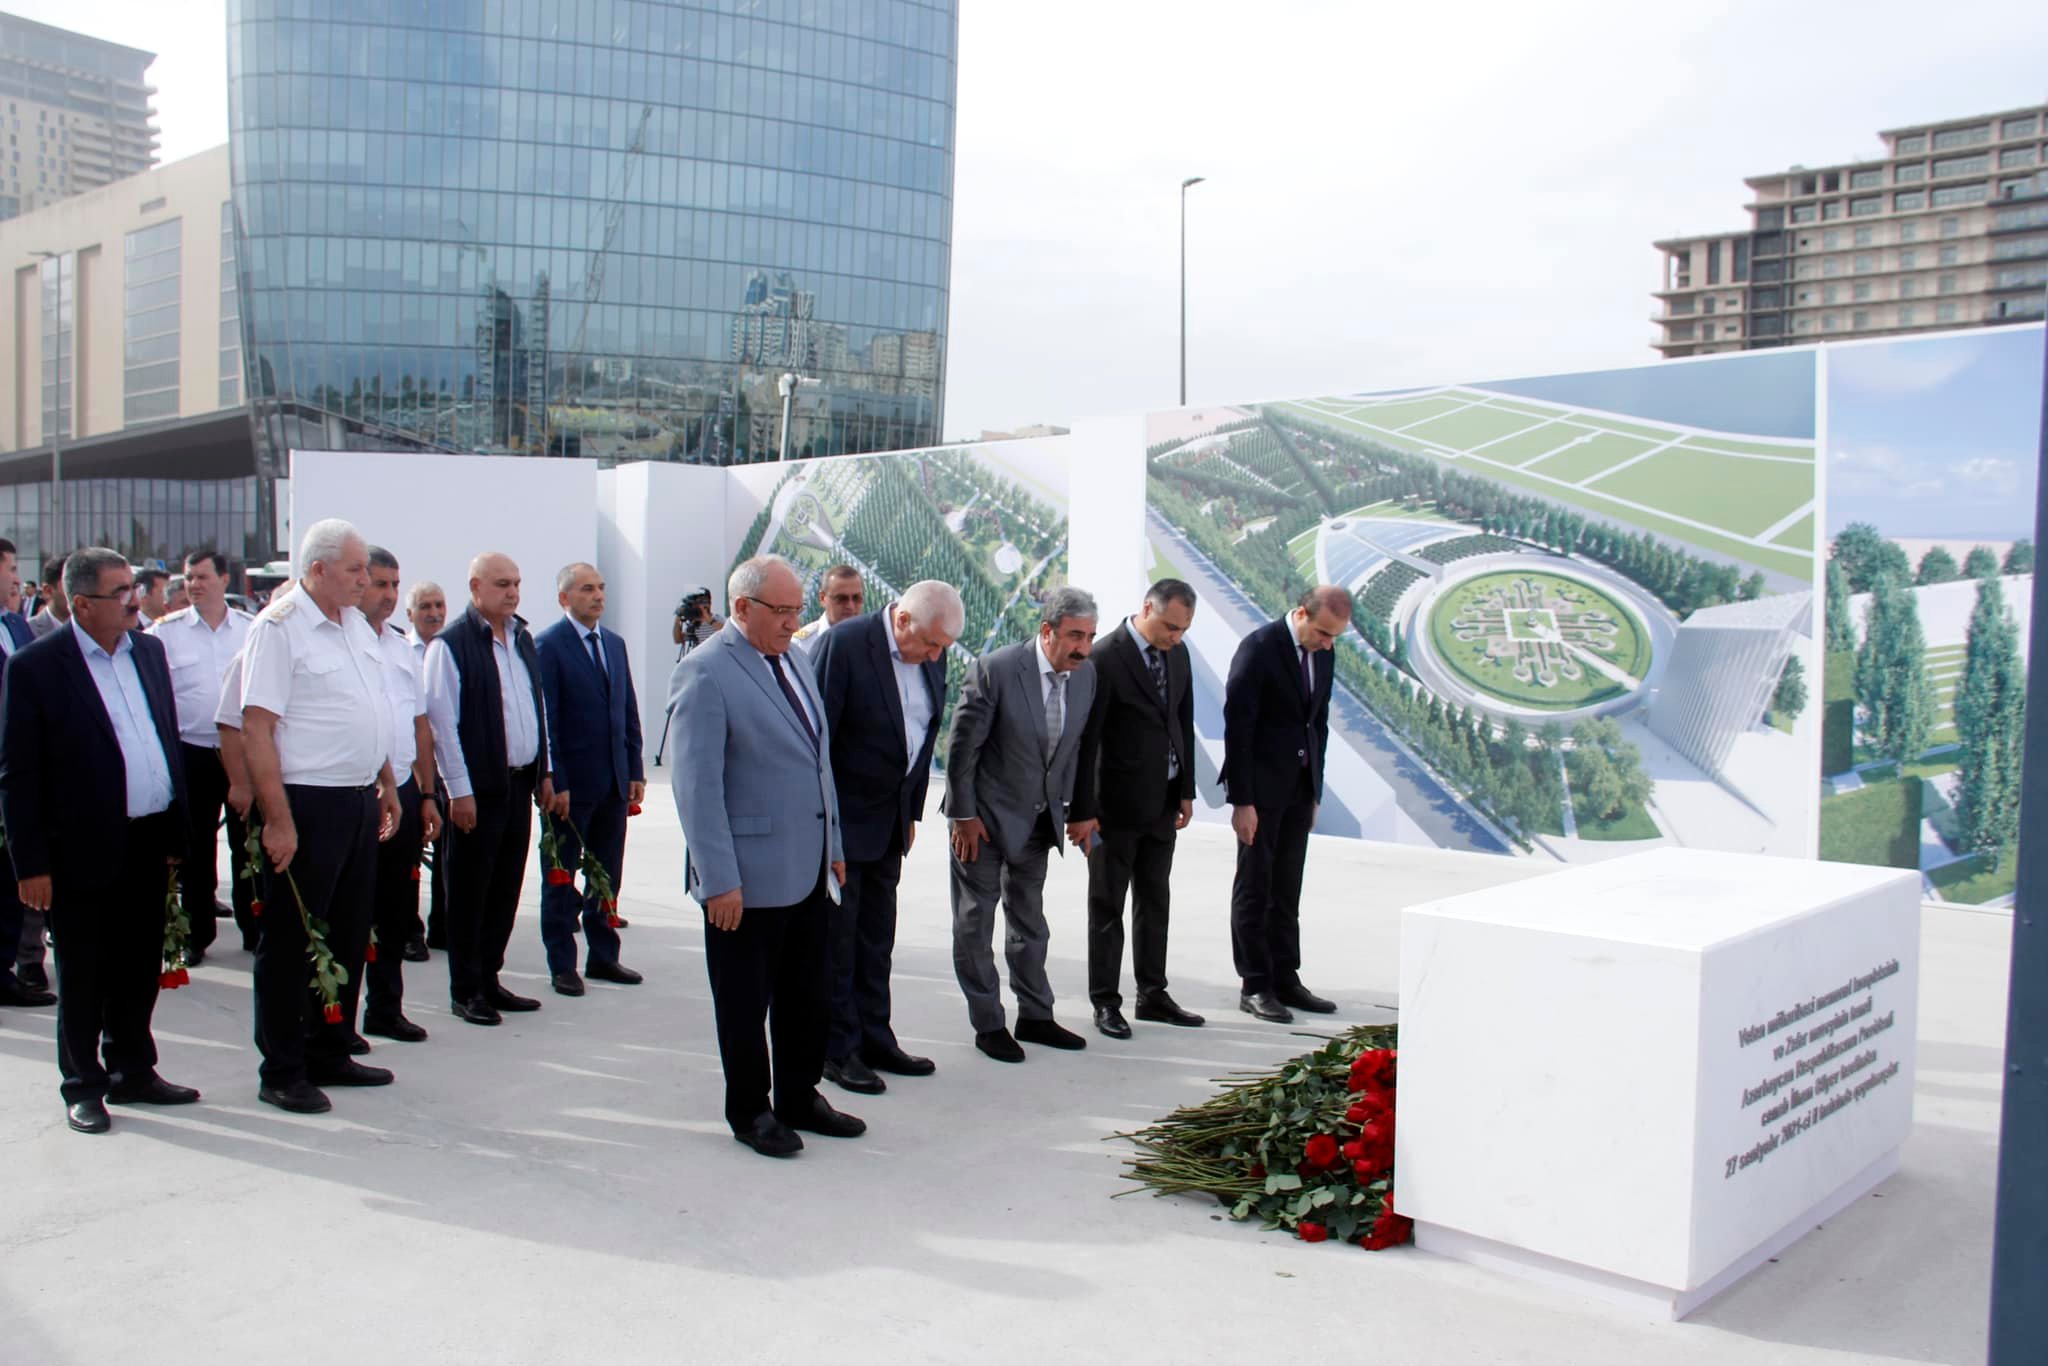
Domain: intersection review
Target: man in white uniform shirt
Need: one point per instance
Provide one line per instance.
(426, 608)
(491, 744)
(419, 817)
(317, 734)
(199, 640)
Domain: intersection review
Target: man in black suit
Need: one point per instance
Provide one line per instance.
(1138, 780)
(1276, 725)
(883, 678)
(14, 634)
(92, 794)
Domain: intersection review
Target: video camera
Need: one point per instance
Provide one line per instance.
(693, 614)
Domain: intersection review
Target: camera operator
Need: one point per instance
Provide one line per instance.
(695, 622)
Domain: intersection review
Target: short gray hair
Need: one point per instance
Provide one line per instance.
(932, 602)
(420, 590)
(1068, 602)
(566, 580)
(380, 558)
(748, 576)
(82, 569)
(323, 542)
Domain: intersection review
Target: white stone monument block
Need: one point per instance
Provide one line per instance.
(1645, 1077)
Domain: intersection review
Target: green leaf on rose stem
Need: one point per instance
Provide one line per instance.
(1282, 1181)
(1322, 1197)
(1301, 1204)
(1242, 1209)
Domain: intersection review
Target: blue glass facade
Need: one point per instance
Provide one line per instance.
(593, 227)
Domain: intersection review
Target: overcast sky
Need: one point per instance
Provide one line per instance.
(1398, 194)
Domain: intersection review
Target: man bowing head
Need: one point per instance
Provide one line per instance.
(753, 785)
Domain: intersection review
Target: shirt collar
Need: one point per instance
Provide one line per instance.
(1131, 625)
(889, 634)
(1045, 667)
(91, 647)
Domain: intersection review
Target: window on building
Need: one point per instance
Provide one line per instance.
(1865, 261)
(59, 280)
(2013, 248)
(1831, 209)
(1865, 236)
(1865, 180)
(1770, 220)
(1909, 232)
(2018, 128)
(1947, 167)
(1861, 292)
(1945, 285)
(1831, 239)
(1948, 139)
(2027, 216)
(1805, 213)
(1945, 313)
(1908, 288)
(1960, 194)
(1713, 263)
(1859, 320)
(1829, 322)
(1908, 145)
(230, 314)
(2015, 156)
(1741, 271)
(1909, 174)
(150, 328)
(1951, 255)
(1909, 200)
(2022, 277)
(1866, 207)
(1905, 315)
(1951, 227)
(1831, 266)
(1831, 294)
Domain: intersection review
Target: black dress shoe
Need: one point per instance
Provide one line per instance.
(1266, 1006)
(393, 1027)
(437, 941)
(1159, 1008)
(613, 972)
(477, 1010)
(33, 977)
(1050, 1034)
(195, 954)
(894, 1059)
(13, 993)
(770, 1137)
(1109, 1020)
(1301, 998)
(851, 1074)
(820, 1118)
(348, 1072)
(998, 1044)
(358, 1046)
(567, 983)
(88, 1116)
(153, 1090)
(301, 1098)
(506, 1000)
(415, 950)
(221, 912)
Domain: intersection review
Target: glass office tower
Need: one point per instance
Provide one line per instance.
(593, 227)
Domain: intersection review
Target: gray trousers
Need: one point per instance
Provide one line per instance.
(1020, 888)
(30, 953)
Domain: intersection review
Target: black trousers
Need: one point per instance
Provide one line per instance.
(771, 968)
(486, 868)
(435, 932)
(11, 914)
(110, 946)
(396, 916)
(563, 908)
(861, 944)
(335, 871)
(1265, 897)
(1137, 859)
(206, 783)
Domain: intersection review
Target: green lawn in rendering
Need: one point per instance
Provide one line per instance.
(1469, 427)
(1879, 825)
(1726, 491)
(1493, 675)
(1973, 882)
(1632, 824)
(1531, 442)
(1838, 720)
(1591, 457)
(1798, 536)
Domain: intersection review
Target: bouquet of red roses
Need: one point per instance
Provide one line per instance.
(177, 928)
(1308, 1146)
(597, 883)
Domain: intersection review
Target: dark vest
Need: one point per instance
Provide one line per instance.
(480, 721)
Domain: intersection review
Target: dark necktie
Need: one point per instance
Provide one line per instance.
(597, 658)
(1156, 662)
(795, 702)
(1308, 678)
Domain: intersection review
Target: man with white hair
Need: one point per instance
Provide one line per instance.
(316, 735)
(883, 677)
(491, 740)
(753, 785)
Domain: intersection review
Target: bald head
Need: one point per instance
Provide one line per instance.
(494, 587)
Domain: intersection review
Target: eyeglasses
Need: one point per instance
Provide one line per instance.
(125, 593)
(785, 612)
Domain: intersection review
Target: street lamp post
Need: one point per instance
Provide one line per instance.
(1191, 180)
(54, 435)
(787, 385)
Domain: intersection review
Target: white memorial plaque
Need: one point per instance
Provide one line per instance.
(1645, 1077)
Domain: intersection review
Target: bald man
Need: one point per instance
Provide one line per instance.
(490, 738)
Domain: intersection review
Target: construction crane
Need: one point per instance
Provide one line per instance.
(614, 217)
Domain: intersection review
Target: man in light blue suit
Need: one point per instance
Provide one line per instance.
(753, 785)
(593, 718)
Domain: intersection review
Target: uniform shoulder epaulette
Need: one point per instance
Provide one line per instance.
(182, 614)
(278, 610)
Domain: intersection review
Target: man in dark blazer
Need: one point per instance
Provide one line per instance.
(1010, 765)
(92, 795)
(14, 633)
(1276, 725)
(1137, 779)
(593, 715)
(883, 679)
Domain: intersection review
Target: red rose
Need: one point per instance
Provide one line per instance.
(370, 953)
(1389, 1230)
(560, 877)
(332, 1014)
(255, 908)
(1378, 1132)
(1374, 1070)
(415, 872)
(167, 980)
(633, 810)
(1354, 1150)
(1321, 1151)
(184, 977)
(1311, 1232)
(1258, 1172)
(613, 920)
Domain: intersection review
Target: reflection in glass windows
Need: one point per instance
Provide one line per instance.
(150, 322)
(602, 228)
(59, 281)
(144, 519)
(230, 314)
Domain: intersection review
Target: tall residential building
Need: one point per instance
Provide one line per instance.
(74, 113)
(124, 363)
(1947, 229)
(601, 229)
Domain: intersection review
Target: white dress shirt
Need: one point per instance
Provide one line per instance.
(323, 680)
(793, 664)
(199, 656)
(911, 691)
(142, 749)
(408, 702)
(229, 713)
(444, 709)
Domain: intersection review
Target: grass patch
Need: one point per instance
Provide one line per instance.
(1163, 568)
(1718, 443)
(1525, 446)
(1591, 457)
(1798, 536)
(1838, 715)
(1469, 427)
(1742, 496)
(1973, 882)
(1631, 824)
(1932, 768)
(1878, 825)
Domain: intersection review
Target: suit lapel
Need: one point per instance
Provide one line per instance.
(761, 672)
(885, 671)
(1133, 656)
(83, 686)
(1034, 689)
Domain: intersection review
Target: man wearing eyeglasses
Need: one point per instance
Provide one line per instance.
(753, 785)
(841, 596)
(91, 792)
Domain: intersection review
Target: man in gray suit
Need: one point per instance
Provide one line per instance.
(1010, 766)
(753, 785)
